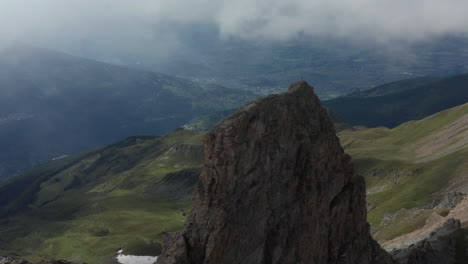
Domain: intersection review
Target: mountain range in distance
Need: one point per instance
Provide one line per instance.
(54, 104)
(387, 105)
(334, 67)
(392, 104)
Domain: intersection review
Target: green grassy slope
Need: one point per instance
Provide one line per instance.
(393, 104)
(84, 208)
(410, 166)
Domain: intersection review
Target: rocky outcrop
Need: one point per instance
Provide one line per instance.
(435, 247)
(460, 212)
(10, 260)
(276, 188)
(450, 200)
(437, 241)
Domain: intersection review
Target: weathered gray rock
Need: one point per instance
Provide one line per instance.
(276, 188)
(450, 200)
(438, 248)
(10, 260)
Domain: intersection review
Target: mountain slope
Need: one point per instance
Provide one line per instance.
(85, 207)
(413, 170)
(393, 104)
(52, 104)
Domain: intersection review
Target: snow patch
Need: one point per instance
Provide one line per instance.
(130, 259)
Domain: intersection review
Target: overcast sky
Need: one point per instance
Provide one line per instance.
(127, 22)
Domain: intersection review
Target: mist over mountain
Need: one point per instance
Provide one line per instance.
(256, 45)
(53, 104)
(335, 67)
(70, 21)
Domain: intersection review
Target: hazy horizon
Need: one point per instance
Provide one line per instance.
(118, 28)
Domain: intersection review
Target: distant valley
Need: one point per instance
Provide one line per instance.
(53, 104)
(387, 105)
(333, 67)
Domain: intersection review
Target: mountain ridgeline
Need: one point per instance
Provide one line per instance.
(393, 104)
(53, 104)
(386, 105)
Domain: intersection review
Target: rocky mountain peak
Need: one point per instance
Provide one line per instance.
(276, 188)
(300, 86)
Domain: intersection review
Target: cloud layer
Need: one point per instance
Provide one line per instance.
(125, 22)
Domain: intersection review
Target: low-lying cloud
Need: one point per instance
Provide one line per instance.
(70, 23)
(380, 19)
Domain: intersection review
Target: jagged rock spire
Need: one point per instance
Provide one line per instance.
(276, 188)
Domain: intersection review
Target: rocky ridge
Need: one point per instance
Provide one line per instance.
(434, 245)
(436, 242)
(276, 188)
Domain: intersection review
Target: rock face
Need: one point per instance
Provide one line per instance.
(436, 227)
(440, 241)
(276, 188)
(439, 247)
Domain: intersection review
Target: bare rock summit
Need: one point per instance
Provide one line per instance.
(276, 188)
